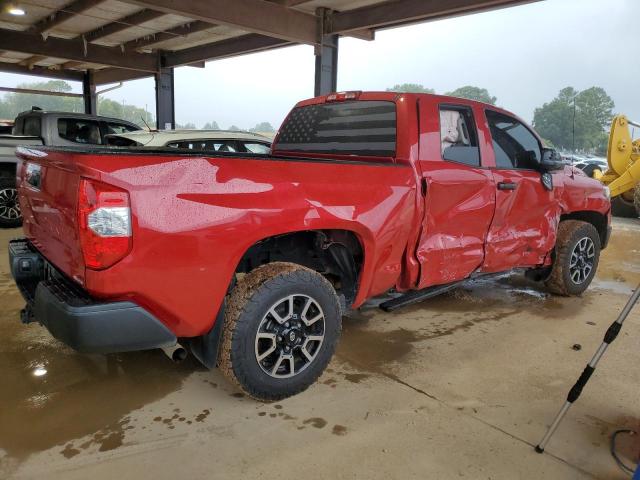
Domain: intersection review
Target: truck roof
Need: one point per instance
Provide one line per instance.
(73, 115)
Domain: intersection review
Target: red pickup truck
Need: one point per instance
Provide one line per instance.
(249, 260)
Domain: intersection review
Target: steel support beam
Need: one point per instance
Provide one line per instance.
(41, 71)
(223, 49)
(256, 16)
(326, 70)
(326, 66)
(76, 49)
(68, 11)
(400, 12)
(89, 93)
(165, 100)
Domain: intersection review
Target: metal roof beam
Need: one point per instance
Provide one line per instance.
(76, 49)
(68, 11)
(257, 16)
(116, 26)
(114, 75)
(399, 12)
(223, 49)
(41, 72)
(179, 31)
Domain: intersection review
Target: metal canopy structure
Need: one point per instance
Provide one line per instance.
(107, 41)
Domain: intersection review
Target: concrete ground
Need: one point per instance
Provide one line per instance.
(459, 386)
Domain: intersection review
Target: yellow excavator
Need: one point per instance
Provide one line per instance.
(623, 173)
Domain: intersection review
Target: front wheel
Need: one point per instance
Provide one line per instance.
(576, 259)
(282, 323)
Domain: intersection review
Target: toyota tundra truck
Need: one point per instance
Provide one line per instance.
(249, 261)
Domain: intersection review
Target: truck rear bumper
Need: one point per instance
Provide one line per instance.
(73, 317)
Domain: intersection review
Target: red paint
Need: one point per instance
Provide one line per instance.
(193, 218)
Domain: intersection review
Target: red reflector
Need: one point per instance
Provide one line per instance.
(104, 223)
(342, 96)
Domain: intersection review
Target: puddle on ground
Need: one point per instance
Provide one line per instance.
(52, 395)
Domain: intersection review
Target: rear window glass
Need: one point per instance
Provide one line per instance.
(115, 128)
(79, 131)
(32, 126)
(215, 145)
(346, 128)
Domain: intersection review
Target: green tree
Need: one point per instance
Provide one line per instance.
(593, 111)
(211, 126)
(234, 128)
(186, 126)
(410, 88)
(263, 127)
(14, 103)
(473, 93)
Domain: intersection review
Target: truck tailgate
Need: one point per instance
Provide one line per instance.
(48, 191)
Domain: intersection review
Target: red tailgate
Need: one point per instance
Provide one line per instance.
(48, 191)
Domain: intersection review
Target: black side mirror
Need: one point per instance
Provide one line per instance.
(551, 160)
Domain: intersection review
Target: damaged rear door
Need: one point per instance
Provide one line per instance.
(523, 230)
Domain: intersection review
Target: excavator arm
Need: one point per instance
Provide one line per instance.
(623, 157)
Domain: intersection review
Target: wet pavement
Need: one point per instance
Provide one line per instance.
(460, 385)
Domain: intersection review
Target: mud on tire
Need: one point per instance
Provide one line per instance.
(266, 316)
(577, 253)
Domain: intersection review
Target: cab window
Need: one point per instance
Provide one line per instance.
(118, 128)
(458, 137)
(259, 148)
(32, 126)
(515, 146)
(79, 131)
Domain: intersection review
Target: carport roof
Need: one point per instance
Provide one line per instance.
(127, 39)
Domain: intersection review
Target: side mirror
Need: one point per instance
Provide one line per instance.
(551, 160)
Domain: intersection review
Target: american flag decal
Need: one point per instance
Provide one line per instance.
(349, 128)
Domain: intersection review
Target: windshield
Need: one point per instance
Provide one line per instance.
(346, 128)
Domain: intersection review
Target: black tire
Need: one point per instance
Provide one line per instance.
(563, 279)
(10, 216)
(590, 168)
(623, 208)
(248, 311)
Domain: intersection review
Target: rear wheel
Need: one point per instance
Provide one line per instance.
(576, 259)
(10, 216)
(282, 323)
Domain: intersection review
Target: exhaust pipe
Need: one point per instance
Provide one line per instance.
(176, 352)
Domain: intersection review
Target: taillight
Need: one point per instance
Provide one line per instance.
(104, 223)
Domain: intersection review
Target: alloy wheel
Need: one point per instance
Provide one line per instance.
(289, 336)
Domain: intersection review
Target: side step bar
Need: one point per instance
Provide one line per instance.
(417, 296)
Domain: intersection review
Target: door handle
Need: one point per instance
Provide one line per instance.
(507, 185)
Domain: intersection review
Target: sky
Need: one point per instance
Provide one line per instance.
(523, 55)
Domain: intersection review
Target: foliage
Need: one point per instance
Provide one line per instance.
(14, 103)
(186, 126)
(593, 112)
(234, 128)
(410, 88)
(211, 126)
(473, 93)
(263, 127)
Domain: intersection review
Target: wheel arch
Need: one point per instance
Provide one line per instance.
(337, 254)
(597, 219)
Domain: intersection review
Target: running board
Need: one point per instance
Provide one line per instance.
(417, 296)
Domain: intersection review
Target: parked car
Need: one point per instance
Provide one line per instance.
(250, 264)
(38, 127)
(205, 140)
(590, 165)
(6, 126)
